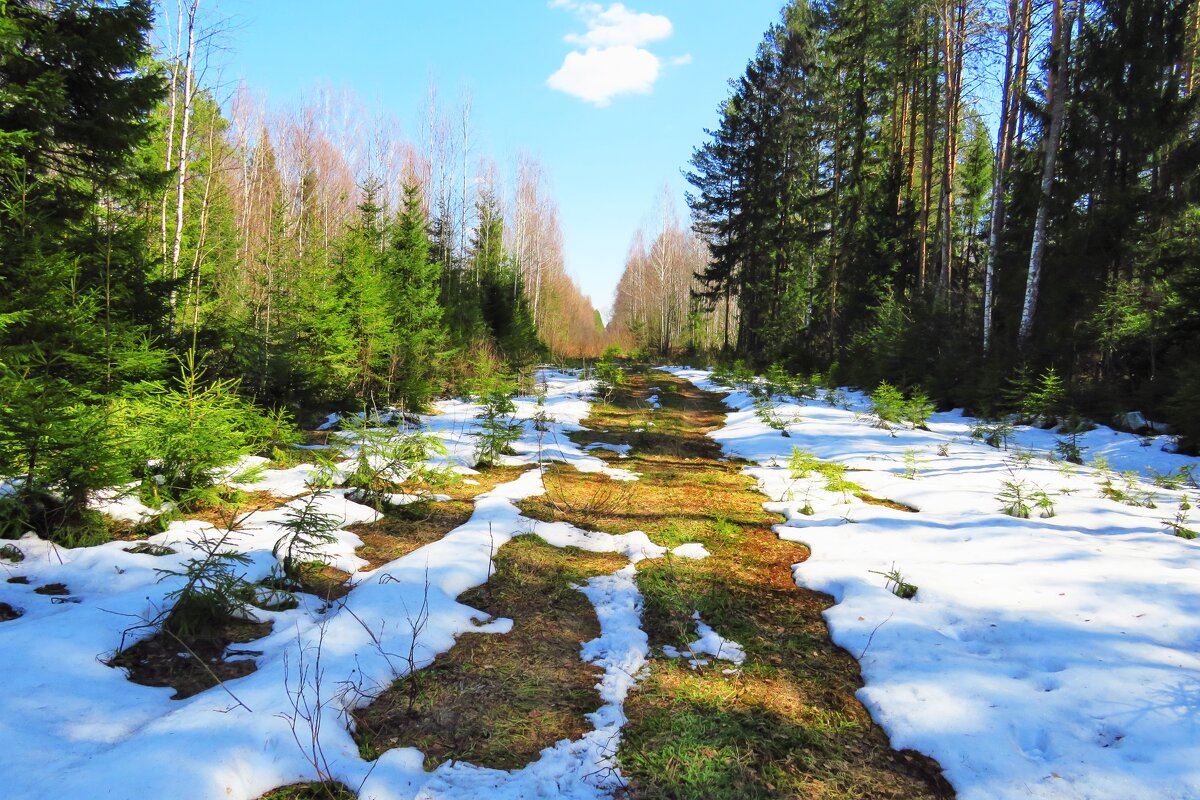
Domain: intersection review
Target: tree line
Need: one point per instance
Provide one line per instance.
(957, 195)
(652, 308)
(161, 250)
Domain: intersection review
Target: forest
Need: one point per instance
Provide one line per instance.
(322, 478)
(158, 246)
(953, 196)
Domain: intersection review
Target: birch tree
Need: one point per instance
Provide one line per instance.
(1057, 74)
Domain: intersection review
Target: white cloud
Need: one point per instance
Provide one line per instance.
(600, 73)
(681, 61)
(616, 26)
(610, 58)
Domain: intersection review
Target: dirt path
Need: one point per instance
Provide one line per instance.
(787, 724)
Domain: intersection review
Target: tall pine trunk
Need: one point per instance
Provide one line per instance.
(1010, 100)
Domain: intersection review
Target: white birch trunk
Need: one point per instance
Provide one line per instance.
(1037, 248)
(181, 173)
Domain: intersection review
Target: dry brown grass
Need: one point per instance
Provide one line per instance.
(788, 725)
(407, 528)
(895, 505)
(494, 700)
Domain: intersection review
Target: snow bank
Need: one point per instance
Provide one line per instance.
(74, 728)
(1046, 657)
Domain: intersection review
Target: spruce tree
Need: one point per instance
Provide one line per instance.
(75, 286)
(413, 278)
(503, 303)
(363, 289)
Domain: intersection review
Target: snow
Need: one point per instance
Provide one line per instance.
(121, 504)
(691, 550)
(1046, 657)
(710, 643)
(281, 482)
(714, 644)
(91, 733)
(622, 450)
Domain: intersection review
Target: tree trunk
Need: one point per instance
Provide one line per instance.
(1011, 94)
(181, 172)
(1058, 87)
(952, 38)
(930, 91)
(173, 106)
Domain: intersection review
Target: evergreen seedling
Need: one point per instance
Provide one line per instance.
(743, 376)
(764, 408)
(912, 463)
(307, 529)
(213, 594)
(995, 434)
(722, 375)
(609, 376)
(803, 463)
(1017, 388)
(887, 405)
(185, 436)
(1175, 481)
(1178, 525)
(781, 382)
(1015, 497)
(1044, 403)
(385, 457)
(1044, 502)
(1069, 450)
(896, 584)
(917, 410)
(59, 444)
(1022, 457)
(497, 429)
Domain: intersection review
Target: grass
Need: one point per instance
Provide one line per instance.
(402, 530)
(497, 701)
(895, 505)
(330, 790)
(787, 724)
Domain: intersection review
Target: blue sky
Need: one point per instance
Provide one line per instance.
(634, 86)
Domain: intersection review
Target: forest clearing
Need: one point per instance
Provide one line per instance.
(683, 400)
(1028, 658)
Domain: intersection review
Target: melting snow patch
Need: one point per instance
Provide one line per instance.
(635, 545)
(1044, 657)
(691, 550)
(621, 450)
(710, 643)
